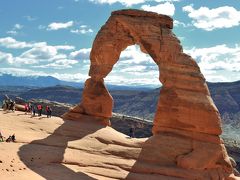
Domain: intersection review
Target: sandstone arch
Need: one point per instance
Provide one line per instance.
(185, 102)
(185, 108)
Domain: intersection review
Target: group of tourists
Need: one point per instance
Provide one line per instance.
(33, 109)
(8, 104)
(11, 138)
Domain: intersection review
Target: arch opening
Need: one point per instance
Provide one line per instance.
(137, 91)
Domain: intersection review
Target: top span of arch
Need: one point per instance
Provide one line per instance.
(162, 19)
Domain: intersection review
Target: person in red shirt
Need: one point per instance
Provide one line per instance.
(39, 107)
(48, 111)
(26, 108)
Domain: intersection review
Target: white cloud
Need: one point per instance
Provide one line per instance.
(64, 47)
(123, 80)
(82, 54)
(218, 62)
(18, 26)
(59, 64)
(12, 32)
(41, 27)
(41, 52)
(30, 18)
(134, 55)
(56, 25)
(44, 54)
(6, 57)
(134, 67)
(129, 2)
(9, 42)
(167, 0)
(177, 23)
(76, 77)
(38, 52)
(124, 2)
(166, 8)
(15, 29)
(210, 19)
(21, 72)
(83, 29)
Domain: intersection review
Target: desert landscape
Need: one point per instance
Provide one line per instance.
(57, 149)
(186, 141)
(119, 89)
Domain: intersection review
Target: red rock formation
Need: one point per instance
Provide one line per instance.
(185, 113)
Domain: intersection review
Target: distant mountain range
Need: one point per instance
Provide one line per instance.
(49, 81)
(34, 81)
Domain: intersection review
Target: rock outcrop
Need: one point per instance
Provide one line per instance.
(187, 124)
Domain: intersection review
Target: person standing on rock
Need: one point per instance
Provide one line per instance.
(4, 104)
(9, 139)
(12, 106)
(39, 107)
(33, 110)
(48, 111)
(13, 138)
(1, 137)
(26, 108)
(132, 132)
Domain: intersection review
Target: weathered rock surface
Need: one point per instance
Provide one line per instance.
(186, 130)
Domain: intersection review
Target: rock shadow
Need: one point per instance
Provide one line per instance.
(46, 156)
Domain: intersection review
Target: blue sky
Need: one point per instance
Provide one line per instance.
(54, 38)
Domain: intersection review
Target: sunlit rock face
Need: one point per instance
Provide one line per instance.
(186, 124)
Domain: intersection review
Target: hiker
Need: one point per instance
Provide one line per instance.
(39, 108)
(9, 139)
(1, 137)
(30, 108)
(12, 105)
(48, 111)
(3, 104)
(26, 108)
(13, 138)
(7, 102)
(6, 105)
(132, 131)
(33, 110)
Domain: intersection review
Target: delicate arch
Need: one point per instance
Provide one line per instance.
(186, 119)
(184, 104)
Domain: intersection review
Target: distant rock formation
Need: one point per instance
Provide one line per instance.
(187, 124)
